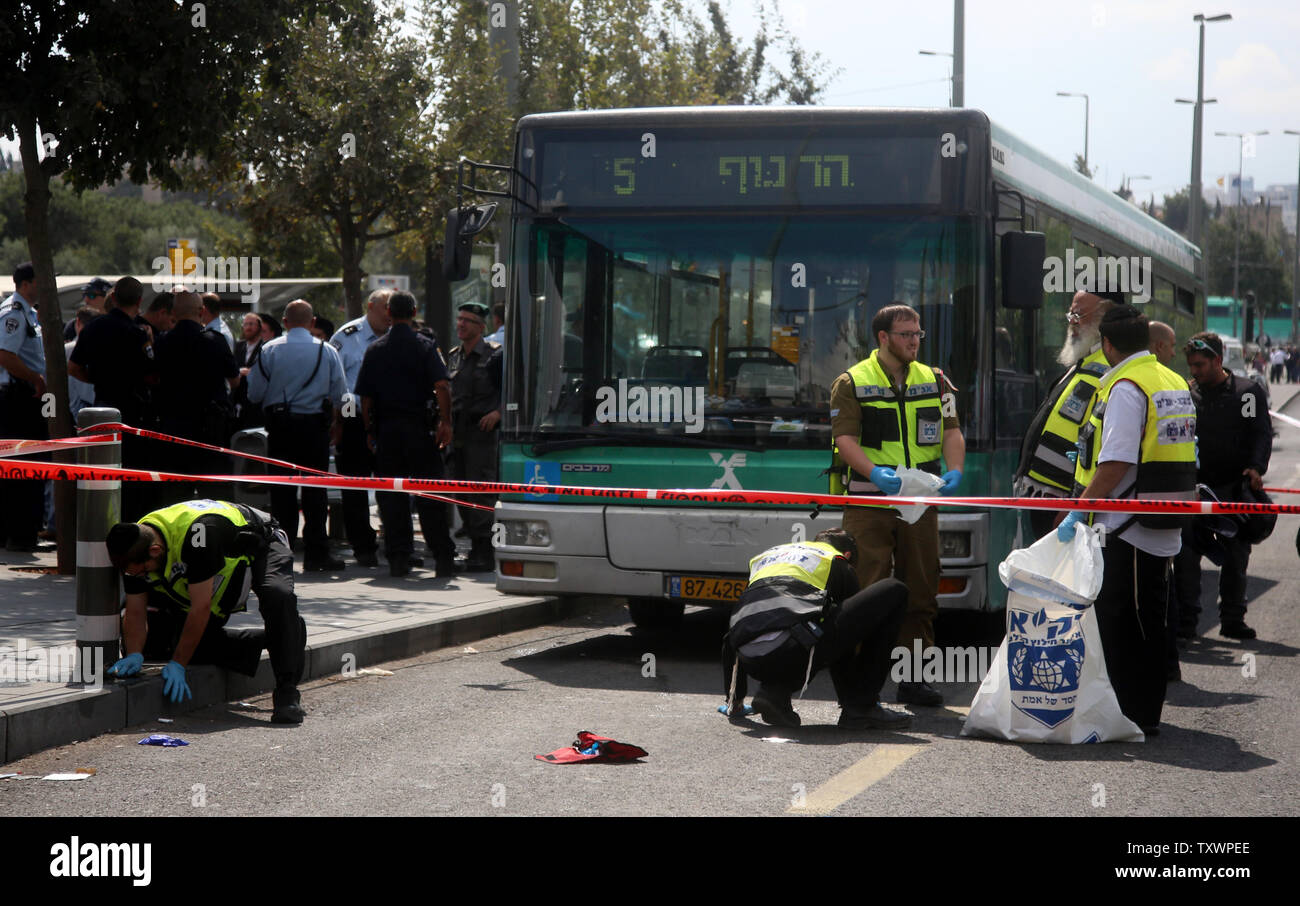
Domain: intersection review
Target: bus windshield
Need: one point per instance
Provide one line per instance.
(723, 329)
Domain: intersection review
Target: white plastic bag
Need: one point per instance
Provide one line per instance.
(916, 484)
(1054, 571)
(1048, 682)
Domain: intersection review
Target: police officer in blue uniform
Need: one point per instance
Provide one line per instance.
(401, 378)
(298, 381)
(22, 386)
(352, 454)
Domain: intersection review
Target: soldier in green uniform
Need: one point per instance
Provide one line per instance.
(476, 372)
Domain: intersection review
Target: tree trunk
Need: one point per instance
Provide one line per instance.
(350, 251)
(36, 211)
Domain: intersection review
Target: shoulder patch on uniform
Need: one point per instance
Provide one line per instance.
(350, 330)
(11, 325)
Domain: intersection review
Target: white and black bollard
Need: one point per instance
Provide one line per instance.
(99, 508)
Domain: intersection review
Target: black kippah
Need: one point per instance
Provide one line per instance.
(127, 543)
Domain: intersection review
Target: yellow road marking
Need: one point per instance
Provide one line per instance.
(854, 780)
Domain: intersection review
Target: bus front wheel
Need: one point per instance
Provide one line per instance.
(655, 613)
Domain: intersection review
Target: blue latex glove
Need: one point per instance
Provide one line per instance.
(885, 478)
(951, 480)
(127, 666)
(174, 686)
(1065, 531)
(1073, 456)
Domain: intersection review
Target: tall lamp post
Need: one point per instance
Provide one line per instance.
(1295, 266)
(1236, 231)
(952, 80)
(1194, 214)
(1195, 191)
(1086, 116)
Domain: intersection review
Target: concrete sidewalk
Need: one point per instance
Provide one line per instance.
(355, 617)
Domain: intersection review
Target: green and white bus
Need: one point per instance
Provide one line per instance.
(685, 284)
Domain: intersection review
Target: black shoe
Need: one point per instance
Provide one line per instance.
(446, 569)
(919, 694)
(1187, 631)
(417, 562)
(1236, 629)
(1174, 674)
(1153, 730)
(324, 565)
(22, 547)
(775, 708)
(287, 707)
(369, 561)
(398, 567)
(877, 717)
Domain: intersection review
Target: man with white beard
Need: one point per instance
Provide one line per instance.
(1045, 468)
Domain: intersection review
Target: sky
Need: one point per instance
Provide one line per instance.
(1132, 57)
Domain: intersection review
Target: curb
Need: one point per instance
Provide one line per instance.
(74, 715)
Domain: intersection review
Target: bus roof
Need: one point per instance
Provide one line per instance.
(1015, 161)
(1024, 167)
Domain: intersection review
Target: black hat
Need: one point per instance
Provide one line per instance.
(96, 287)
(127, 543)
(271, 323)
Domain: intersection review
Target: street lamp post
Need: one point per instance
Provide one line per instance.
(1295, 267)
(1126, 182)
(1086, 117)
(1236, 231)
(952, 78)
(1194, 214)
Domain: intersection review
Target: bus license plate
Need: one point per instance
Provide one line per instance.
(705, 588)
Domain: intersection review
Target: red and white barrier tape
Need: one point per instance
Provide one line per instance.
(280, 463)
(33, 447)
(59, 471)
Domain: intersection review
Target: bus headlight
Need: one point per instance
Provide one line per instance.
(527, 533)
(954, 545)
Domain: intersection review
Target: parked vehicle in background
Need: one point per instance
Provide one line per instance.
(1234, 360)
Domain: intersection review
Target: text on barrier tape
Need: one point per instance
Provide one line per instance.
(43, 470)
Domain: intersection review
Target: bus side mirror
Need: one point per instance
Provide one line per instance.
(463, 224)
(1022, 270)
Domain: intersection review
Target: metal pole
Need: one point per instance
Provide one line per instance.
(1236, 232)
(99, 508)
(959, 53)
(1087, 115)
(1194, 215)
(1295, 266)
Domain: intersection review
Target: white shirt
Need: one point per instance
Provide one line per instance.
(1121, 441)
(1278, 357)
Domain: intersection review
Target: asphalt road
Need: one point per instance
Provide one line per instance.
(454, 733)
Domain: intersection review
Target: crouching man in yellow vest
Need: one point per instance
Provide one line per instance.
(201, 558)
(888, 412)
(802, 612)
(1140, 442)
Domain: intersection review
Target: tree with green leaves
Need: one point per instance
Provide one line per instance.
(339, 153)
(105, 89)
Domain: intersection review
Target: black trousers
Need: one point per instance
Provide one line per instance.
(24, 501)
(303, 440)
(1232, 581)
(1131, 619)
(286, 633)
(859, 635)
(406, 448)
(475, 459)
(239, 650)
(353, 457)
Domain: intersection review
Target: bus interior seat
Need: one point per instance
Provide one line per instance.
(676, 365)
(740, 355)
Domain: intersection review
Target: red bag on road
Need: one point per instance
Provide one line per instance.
(590, 747)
